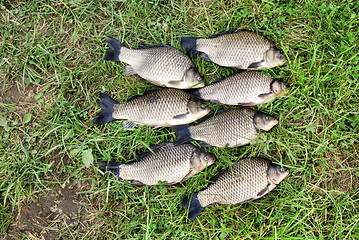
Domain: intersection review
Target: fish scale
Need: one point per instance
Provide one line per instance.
(166, 162)
(149, 63)
(238, 49)
(162, 65)
(234, 127)
(237, 184)
(239, 88)
(155, 108)
(246, 180)
(245, 43)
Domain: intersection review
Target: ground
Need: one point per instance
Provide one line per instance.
(51, 74)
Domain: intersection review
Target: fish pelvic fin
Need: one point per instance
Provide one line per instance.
(257, 65)
(184, 135)
(109, 169)
(189, 44)
(113, 51)
(192, 205)
(105, 115)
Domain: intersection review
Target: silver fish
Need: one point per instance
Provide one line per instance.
(164, 162)
(157, 107)
(232, 128)
(238, 49)
(162, 65)
(243, 88)
(246, 180)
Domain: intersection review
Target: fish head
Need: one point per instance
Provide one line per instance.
(274, 58)
(201, 159)
(277, 87)
(264, 121)
(197, 108)
(193, 78)
(277, 173)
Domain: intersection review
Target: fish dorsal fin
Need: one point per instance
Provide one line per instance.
(146, 92)
(150, 150)
(142, 46)
(224, 33)
(214, 113)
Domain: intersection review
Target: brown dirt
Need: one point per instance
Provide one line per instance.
(342, 177)
(54, 213)
(22, 97)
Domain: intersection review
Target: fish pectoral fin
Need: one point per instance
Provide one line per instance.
(204, 144)
(137, 183)
(189, 174)
(215, 101)
(205, 57)
(129, 70)
(175, 83)
(129, 125)
(265, 95)
(263, 192)
(256, 65)
(247, 104)
(181, 116)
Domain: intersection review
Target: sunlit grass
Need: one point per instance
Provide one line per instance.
(55, 49)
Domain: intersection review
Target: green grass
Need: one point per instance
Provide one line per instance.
(52, 53)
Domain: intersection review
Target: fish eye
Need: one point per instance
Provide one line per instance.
(206, 158)
(267, 118)
(199, 78)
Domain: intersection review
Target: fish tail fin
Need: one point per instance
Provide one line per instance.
(192, 204)
(194, 92)
(114, 49)
(105, 115)
(184, 135)
(189, 44)
(111, 169)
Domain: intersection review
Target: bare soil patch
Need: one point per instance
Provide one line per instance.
(22, 97)
(344, 176)
(55, 213)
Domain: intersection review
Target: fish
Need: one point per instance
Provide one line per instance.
(231, 128)
(237, 49)
(247, 88)
(162, 65)
(160, 107)
(164, 162)
(247, 180)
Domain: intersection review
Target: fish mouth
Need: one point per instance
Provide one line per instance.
(198, 85)
(284, 92)
(269, 127)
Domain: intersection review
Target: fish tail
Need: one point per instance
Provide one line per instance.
(192, 204)
(189, 44)
(111, 169)
(194, 92)
(114, 49)
(184, 135)
(105, 115)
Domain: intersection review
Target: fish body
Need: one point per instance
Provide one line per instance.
(162, 65)
(232, 128)
(238, 49)
(246, 180)
(158, 108)
(164, 162)
(243, 88)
